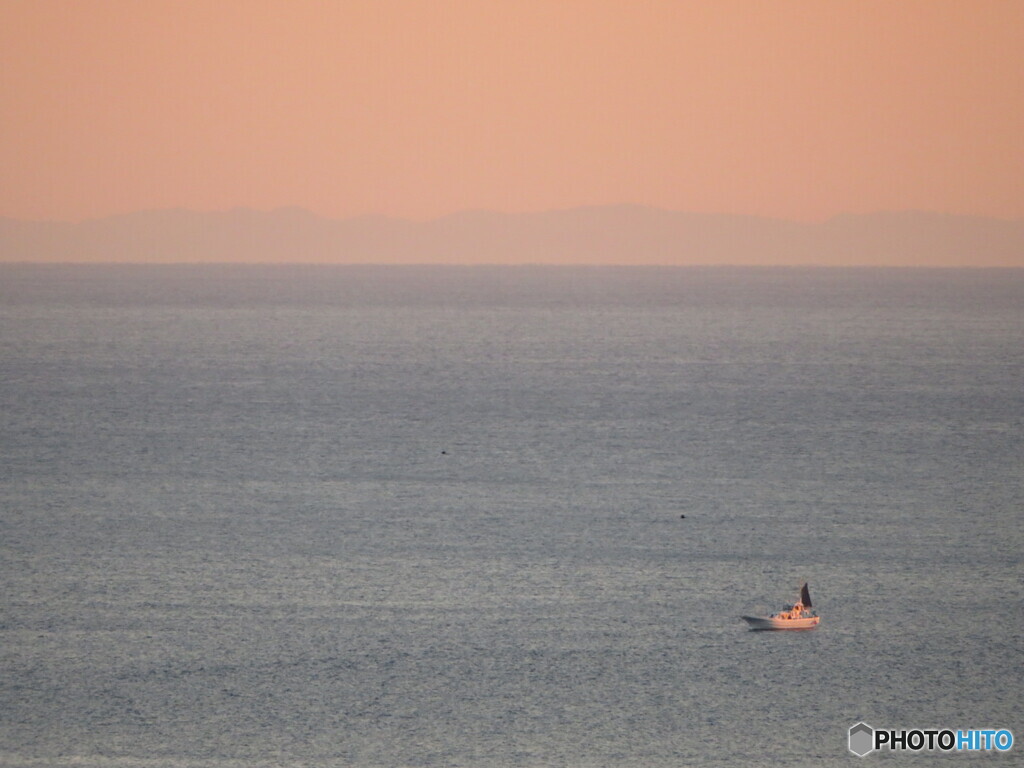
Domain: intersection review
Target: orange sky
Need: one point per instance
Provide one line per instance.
(799, 109)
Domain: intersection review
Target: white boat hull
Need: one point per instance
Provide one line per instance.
(755, 622)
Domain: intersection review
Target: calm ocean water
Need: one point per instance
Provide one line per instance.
(288, 516)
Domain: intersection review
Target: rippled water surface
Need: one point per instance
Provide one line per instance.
(258, 516)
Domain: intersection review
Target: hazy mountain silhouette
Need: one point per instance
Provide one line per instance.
(595, 235)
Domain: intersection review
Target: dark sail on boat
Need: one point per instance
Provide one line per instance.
(805, 596)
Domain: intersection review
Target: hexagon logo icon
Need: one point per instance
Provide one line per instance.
(862, 738)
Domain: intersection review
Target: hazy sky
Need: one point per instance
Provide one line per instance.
(799, 109)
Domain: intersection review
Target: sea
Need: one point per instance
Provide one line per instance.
(407, 517)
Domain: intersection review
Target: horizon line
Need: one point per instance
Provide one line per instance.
(510, 214)
(521, 265)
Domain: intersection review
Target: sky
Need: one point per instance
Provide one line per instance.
(793, 109)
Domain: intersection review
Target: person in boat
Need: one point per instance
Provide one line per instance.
(794, 612)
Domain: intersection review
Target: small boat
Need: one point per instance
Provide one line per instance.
(797, 616)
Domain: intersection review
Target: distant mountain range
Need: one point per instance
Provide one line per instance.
(595, 235)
